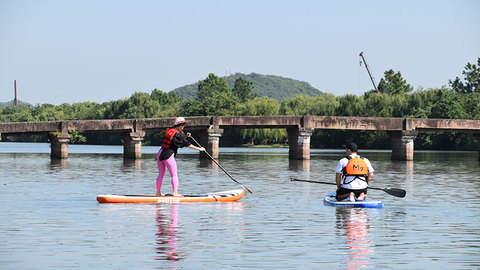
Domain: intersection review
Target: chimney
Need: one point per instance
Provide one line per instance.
(15, 101)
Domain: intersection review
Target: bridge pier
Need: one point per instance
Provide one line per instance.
(59, 144)
(210, 139)
(132, 144)
(477, 136)
(299, 143)
(402, 144)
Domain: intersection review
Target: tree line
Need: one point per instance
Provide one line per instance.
(459, 100)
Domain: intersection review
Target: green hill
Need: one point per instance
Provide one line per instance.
(276, 87)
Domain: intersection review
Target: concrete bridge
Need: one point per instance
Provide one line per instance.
(210, 128)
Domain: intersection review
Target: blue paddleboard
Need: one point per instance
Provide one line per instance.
(330, 200)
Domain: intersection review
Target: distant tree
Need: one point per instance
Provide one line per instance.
(223, 103)
(351, 105)
(211, 86)
(165, 98)
(20, 113)
(170, 103)
(191, 108)
(49, 112)
(418, 104)
(82, 111)
(297, 105)
(139, 105)
(472, 79)
(113, 109)
(471, 103)
(323, 104)
(447, 105)
(399, 104)
(243, 89)
(259, 106)
(216, 97)
(394, 84)
(264, 135)
(378, 105)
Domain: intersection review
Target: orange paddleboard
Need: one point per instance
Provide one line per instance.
(223, 196)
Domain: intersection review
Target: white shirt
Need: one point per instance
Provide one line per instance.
(357, 183)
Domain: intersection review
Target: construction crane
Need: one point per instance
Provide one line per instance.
(369, 73)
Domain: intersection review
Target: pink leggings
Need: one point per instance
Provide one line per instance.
(171, 165)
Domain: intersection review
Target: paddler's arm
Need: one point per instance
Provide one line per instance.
(369, 177)
(339, 172)
(191, 146)
(370, 171)
(182, 142)
(338, 179)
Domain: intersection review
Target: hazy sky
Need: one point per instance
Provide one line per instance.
(75, 51)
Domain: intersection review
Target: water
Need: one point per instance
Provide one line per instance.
(49, 218)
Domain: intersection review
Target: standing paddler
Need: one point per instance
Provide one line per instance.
(173, 139)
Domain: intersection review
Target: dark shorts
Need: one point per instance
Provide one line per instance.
(357, 192)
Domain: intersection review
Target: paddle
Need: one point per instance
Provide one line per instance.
(397, 192)
(221, 167)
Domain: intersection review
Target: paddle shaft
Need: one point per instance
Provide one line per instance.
(392, 191)
(326, 183)
(216, 162)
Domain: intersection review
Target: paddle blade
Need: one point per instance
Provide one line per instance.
(247, 189)
(397, 192)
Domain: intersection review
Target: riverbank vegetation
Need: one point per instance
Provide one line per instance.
(459, 100)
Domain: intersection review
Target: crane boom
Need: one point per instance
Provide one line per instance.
(369, 73)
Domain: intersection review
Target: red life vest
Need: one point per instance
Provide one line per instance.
(168, 137)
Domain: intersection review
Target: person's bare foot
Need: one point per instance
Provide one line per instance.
(361, 197)
(159, 194)
(175, 194)
(352, 197)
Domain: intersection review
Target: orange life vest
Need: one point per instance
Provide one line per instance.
(356, 167)
(168, 137)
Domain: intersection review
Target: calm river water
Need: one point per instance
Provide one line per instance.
(50, 219)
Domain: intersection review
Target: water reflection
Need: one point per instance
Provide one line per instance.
(354, 222)
(166, 236)
(170, 251)
(135, 164)
(207, 163)
(405, 166)
(409, 168)
(299, 165)
(58, 163)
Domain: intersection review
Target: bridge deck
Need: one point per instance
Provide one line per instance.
(205, 122)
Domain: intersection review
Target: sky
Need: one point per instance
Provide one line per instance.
(76, 51)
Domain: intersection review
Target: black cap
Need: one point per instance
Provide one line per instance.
(352, 146)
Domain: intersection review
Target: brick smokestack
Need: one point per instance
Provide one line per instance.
(15, 101)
